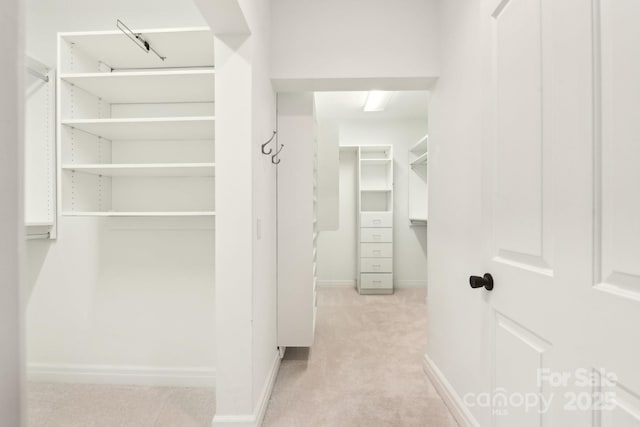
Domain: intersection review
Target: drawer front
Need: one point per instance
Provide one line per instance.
(376, 250)
(376, 281)
(376, 219)
(376, 234)
(376, 265)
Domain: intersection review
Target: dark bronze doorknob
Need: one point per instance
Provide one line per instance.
(479, 282)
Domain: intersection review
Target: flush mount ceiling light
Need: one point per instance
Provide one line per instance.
(377, 100)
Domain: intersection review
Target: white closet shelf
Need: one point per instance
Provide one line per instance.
(38, 223)
(420, 147)
(376, 190)
(170, 128)
(147, 86)
(138, 214)
(151, 169)
(375, 161)
(116, 49)
(422, 160)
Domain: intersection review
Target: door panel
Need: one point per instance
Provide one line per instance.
(518, 355)
(520, 218)
(618, 147)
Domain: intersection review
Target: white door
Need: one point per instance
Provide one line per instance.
(562, 212)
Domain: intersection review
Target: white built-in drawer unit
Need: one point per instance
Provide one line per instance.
(376, 250)
(376, 281)
(376, 235)
(376, 219)
(376, 265)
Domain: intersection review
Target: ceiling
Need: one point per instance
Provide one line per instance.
(349, 105)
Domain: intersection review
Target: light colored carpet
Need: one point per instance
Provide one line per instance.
(364, 369)
(83, 405)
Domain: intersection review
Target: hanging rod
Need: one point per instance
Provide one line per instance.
(138, 40)
(37, 69)
(38, 75)
(186, 67)
(46, 235)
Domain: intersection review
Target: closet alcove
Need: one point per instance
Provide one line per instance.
(120, 280)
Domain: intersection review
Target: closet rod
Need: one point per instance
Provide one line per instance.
(38, 75)
(38, 236)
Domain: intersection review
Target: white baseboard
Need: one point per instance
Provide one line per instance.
(336, 283)
(133, 375)
(263, 403)
(255, 419)
(450, 397)
(234, 421)
(401, 284)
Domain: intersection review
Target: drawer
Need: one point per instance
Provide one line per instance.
(376, 281)
(376, 219)
(376, 250)
(376, 265)
(376, 234)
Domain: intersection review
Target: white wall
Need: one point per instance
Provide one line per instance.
(245, 190)
(119, 295)
(234, 219)
(325, 45)
(328, 140)
(410, 242)
(455, 342)
(11, 219)
(265, 353)
(337, 250)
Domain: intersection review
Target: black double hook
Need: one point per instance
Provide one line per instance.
(274, 159)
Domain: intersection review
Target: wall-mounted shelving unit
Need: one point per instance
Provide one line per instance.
(297, 220)
(375, 219)
(136, 133)
(418, 189)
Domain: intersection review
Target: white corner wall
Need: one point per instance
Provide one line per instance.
(247, 354)
(119, 299)
(266, 358)
(354, 45)
(337, 252)
(11, 219)
(336, 261)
